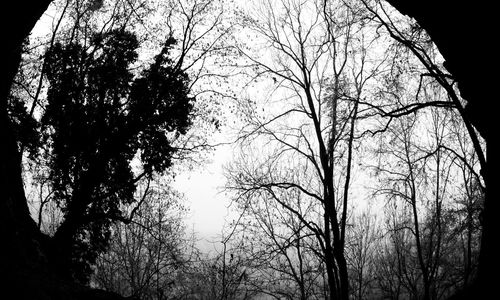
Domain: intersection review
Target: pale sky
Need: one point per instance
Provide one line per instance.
(202, 188)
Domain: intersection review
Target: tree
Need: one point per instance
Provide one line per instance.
(147, 257)
(363, 240)
(445, 27)
(102, 84)
(321, 67)
(97, 119)
(421, 173)
(285, 259)
(20, 257)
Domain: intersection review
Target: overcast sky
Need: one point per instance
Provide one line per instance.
(202, 188)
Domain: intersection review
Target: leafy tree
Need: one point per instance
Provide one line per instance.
(23, 125)
(100, 118)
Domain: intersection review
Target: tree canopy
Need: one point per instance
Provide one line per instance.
(100, 117)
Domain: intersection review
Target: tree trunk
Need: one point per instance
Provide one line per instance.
(343, 274)
(23, 261)
(20, 249)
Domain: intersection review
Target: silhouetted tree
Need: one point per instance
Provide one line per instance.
(321, 68)
(285, 260)
(363, 236)
(146, 257)
(97, 119)
(419, 169)
(444, 24)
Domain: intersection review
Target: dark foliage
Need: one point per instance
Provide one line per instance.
(98, 117)
(24, 125)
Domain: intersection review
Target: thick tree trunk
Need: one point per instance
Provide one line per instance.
(489, 261)
(26, 273)
(21, 239)
(464, 33)
(22, 16)
(343, 274)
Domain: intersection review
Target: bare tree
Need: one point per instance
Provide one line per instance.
(145, 257)
(361, 247)
(420, 170)
(320, 65)
(284, 257)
